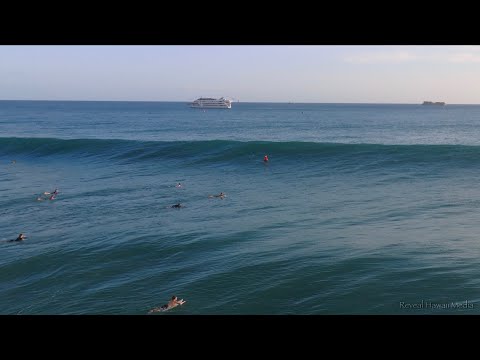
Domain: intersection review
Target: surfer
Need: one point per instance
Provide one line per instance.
(265, 158)
(174, 302)
(52, 194)
(55, 192)
(20, 237)
(221, 195)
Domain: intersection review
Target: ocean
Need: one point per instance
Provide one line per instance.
(362, 208)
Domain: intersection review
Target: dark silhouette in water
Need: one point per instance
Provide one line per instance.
(221, 195)
(20, 237)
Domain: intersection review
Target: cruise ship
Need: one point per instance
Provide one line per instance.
(212, 103)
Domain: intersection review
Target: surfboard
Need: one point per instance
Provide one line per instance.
(161, 309)
(164, 308)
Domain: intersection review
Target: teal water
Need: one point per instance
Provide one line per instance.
(362, 209)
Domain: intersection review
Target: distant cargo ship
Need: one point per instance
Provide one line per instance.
(441, 103)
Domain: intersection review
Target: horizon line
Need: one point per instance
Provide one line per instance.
(254, 102)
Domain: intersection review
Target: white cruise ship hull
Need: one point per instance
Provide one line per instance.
(209, 103)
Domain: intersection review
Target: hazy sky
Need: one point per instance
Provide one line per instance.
(325, 74)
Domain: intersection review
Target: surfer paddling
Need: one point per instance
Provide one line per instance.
(174, 302)
(20, 237)
(221, 195)
(52, 196)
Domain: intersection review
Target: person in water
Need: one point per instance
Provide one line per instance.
(52, 194)
(265, 158)
(174, 302)
(221, 195)
(178, 185)
(177, 206)
(20, 237)
(55, 192)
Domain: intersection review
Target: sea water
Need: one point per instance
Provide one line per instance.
(362, 208)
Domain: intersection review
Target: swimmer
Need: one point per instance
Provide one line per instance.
(178, 185)
(174, 302)
(177, 206)
(221, 195)
(265, 158)
(55, 192)
(20, 237)
(52, 194)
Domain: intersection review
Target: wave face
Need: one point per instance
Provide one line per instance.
(216, 151)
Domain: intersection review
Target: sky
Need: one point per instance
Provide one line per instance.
(260, 73)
